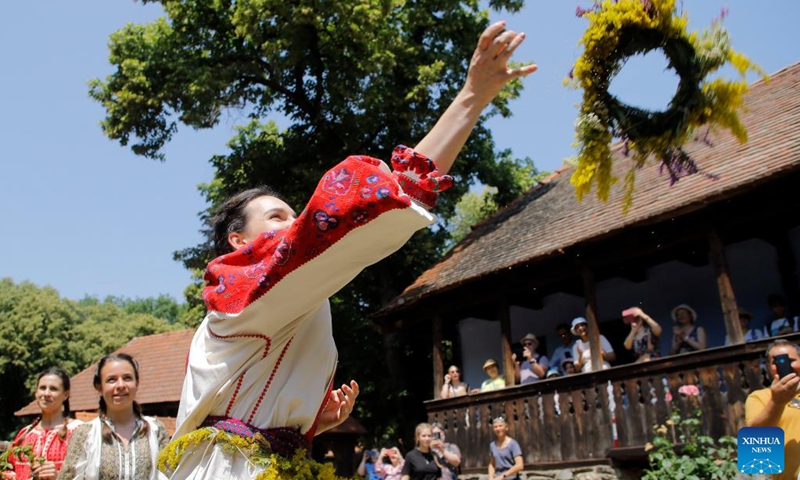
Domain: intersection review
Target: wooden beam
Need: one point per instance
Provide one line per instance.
(438, 362)
(730, 311)
(504, 314)
(590, 297)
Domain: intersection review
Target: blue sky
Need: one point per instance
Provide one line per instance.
(84, 215)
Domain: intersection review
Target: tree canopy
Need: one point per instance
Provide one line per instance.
(316, 81)
(39, 329)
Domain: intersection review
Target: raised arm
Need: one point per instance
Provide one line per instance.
(488, 74)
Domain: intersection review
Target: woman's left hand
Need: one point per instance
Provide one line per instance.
(340, 404)
(488, 68)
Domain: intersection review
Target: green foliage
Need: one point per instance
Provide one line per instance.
(16, 452)
(474, 206)
(347, 77)
(699, 458)
(471, 209)
(163, 306)
(39, 329)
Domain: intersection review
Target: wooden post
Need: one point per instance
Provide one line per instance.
(438, 366)
(730, 311)
(504, 314)
(590, 297)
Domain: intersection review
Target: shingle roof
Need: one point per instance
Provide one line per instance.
(549, 218)
(161, 359)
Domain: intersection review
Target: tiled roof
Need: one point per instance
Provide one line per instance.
(162, 361)
(549, 218)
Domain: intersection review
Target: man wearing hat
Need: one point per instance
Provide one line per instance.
(495, 381)
(534, 366)
(749, 334)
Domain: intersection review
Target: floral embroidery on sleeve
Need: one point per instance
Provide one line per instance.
(418, 176)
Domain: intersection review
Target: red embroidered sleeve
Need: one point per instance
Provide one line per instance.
(350, 196)
(418, 177)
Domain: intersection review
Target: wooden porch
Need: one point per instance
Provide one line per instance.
(568, 421)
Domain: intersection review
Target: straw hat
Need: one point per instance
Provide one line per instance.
(684, 307)
(489, 363)
(575, 322)
(531, 337)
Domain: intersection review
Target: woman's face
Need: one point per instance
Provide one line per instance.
(424, 438)
(455, 375)
(581, 330)
(492, 371)
(50, 394)
(500, 429)
(118, 385)
(683, 316)
(265, 214)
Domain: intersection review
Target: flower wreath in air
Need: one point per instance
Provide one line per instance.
(619, 29)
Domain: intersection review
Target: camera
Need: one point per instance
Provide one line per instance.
(437, 436)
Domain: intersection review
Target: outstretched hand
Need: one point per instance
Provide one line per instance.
(488, 69)
(488, 74)
(338, 407)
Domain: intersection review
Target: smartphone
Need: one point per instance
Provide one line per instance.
(784, 364)
(437, 436)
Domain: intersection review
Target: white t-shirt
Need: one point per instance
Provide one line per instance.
(778, 324)
(586, 354)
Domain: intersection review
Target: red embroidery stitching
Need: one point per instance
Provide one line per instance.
(339, 205)
(267, 344)
(269, 382)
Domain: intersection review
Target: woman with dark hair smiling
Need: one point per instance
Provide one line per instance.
(120, 443)
(453, 386)
(49, 434)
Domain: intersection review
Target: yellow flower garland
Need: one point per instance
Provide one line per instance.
(619, 29)
(256, 449)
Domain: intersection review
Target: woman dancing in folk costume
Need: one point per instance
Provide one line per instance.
(258, 385)
(48, 435)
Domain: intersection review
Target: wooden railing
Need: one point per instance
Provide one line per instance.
(570, 420)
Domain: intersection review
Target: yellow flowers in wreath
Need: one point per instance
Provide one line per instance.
(619, 29)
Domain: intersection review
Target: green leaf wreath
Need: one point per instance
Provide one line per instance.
(619, 29)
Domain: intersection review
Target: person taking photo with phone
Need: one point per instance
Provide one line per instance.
(779, 405)
(389, 465)
(448, 453)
